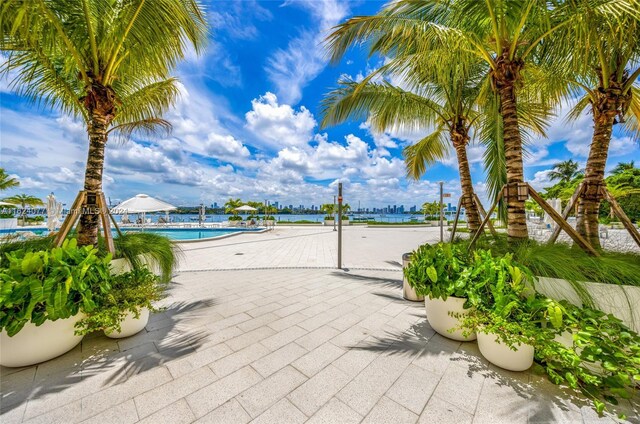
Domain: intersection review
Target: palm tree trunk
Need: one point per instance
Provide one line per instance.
(90, 218)
(589, 202)
(471, 209)
(516, 213)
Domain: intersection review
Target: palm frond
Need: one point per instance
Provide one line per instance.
(424, 153)
(149, 127)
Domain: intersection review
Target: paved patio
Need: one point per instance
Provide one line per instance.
(283, 346)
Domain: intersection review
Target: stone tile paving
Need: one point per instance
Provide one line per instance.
(314, 246)
(283, 346)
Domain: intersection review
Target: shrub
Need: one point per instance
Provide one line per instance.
(130, 292)
(50, 284)
(434, 271)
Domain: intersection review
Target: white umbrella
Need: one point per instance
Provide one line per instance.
(8, 204)
(142, 203)
(245, 208)
(52, 207)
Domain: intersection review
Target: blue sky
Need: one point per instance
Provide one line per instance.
(247, 126)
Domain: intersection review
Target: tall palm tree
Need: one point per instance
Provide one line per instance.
(444, 101)
(105, 62)
(565, 171)
(505, 34)
(6, 181)
(24, 200)
(622, 167)
(606, 59)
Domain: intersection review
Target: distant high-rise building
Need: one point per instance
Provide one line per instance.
(412, 208)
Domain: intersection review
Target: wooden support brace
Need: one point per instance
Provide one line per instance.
(70, 220)
(565, 212)
(577, 238)
(486, 219)
(455, 221)
(624, 219)
(106, 225)
(483, 213)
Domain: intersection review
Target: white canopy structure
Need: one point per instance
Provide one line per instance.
(11, 205)
(245, 208)
(142, 203)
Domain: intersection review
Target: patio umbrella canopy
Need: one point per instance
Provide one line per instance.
(245, 208)
(142, 203)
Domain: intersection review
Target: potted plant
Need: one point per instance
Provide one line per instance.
(408, 292)
(346, 208)
(329, 209)
(44, 293)
(508, 316)
(124, 310)
(434, 272)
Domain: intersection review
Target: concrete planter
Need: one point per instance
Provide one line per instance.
(8, 223)
(346, 222)
(131, 325)
(270, 222)
(439, 315)
(620, 301)
(328, 222)
(502, 355)
(35, 344)
(407, 291)
(234, 223)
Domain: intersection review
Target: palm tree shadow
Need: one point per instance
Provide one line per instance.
(150, 349)
(434, 352)
(391, 283)
(98, 355)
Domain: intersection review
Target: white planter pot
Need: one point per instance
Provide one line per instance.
(439, 315)
(8, 223)
(620, 301)
(131, 325)
(407, 291)
(270, 223)
(346, 222)
(35, 344)
(233, 223)
(501, 355)
(328, 222)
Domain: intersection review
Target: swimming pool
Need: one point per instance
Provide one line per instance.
(178, 234)
(186, 234)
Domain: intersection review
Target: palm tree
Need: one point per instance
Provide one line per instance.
(346, 208)
(605, 44)
(107, 63)
(329, 209)
(565, 171)
(623, 167)
(231, 205)
(6, 181)
(505, 34)
(430, 208)
(445, 101)
(24, 200)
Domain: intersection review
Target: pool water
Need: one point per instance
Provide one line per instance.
(191, 233)
(179, 234)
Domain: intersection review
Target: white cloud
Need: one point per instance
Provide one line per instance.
(541, 179)
(304, 58)
(277, 125)
(225, 147)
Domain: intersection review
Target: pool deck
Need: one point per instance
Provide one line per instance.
(275, 335)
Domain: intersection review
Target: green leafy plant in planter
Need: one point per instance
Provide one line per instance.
(504, 303)
(599, 356)
(36, 286)
(434, 271)
(235, 218)
(130, 293)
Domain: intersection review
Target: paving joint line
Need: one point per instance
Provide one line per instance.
(346, 269)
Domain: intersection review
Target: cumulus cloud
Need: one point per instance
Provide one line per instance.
(276, 125)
